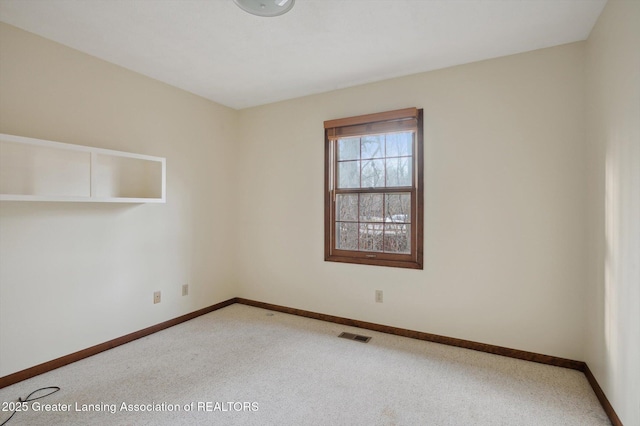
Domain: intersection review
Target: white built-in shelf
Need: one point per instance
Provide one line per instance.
(40, 170)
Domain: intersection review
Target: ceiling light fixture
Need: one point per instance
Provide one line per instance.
(266, 8)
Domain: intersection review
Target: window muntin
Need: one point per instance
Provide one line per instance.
(373, 211)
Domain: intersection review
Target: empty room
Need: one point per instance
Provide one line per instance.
(320, 212)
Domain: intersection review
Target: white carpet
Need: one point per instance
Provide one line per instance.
(267, 368)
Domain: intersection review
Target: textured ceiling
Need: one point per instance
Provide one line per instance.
(214, 49)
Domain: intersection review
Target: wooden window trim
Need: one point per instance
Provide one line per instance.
(404, 119)
(398, 114)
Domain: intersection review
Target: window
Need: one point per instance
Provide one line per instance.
(373, 189)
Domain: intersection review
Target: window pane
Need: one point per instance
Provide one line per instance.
(371, 207)
(399, 144)
(371, 236)
(346, 236)
(372, 173)
(398, 207)
(399, 171)
(397, 238)
(372, 146)
(347, 207)
(349, 174)
(348, 149)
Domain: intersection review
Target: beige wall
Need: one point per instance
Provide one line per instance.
(613, 136)
(75, 274)
(504, 196)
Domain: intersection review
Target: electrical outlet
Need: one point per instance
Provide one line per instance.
(185, 289)
(378, 296)
(156, 297)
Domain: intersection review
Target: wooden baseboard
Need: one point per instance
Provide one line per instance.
(467, 344)
(93, 350)
(606, 405)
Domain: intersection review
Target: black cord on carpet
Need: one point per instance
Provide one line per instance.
(52, 389)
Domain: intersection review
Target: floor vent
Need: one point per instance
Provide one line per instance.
(356, 337)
